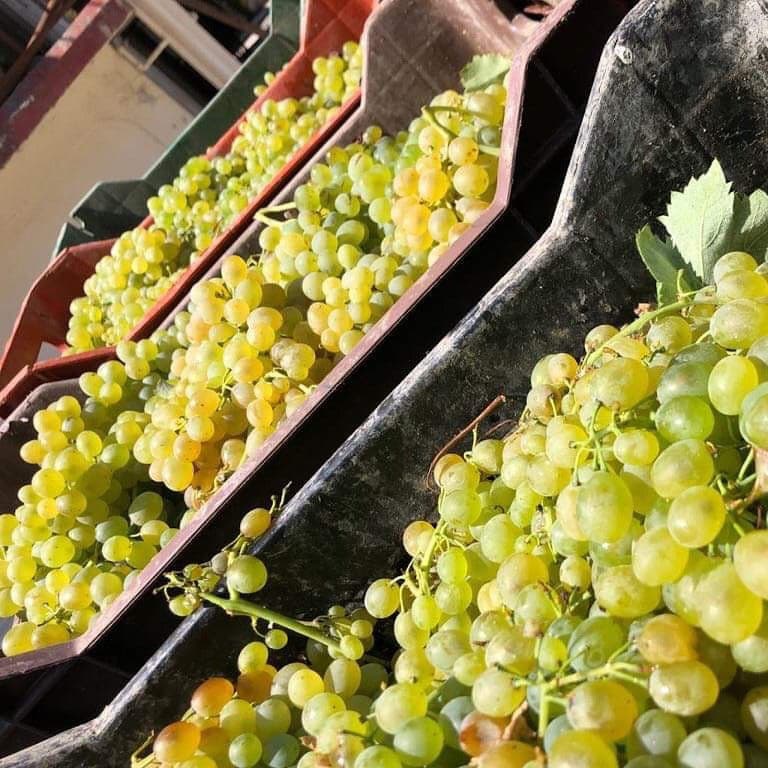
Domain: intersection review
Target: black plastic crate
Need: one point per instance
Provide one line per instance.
(45, 702)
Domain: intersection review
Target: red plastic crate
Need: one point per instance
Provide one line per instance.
(44, 315)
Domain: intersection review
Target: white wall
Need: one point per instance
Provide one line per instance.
(110, 124)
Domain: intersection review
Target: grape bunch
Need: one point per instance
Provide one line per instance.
(90, 518)
(590, 592)
(378, 213)
(181, 411)
(254, 341)
(201, 201)
(262, 718)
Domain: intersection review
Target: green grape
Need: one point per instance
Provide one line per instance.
(303, 686)
(57, 551)
(696, 516)
(246, 574)
(669, 334)
(636, 446)
(751, 654)
(352, 647)
(581, 749)
(754, 715)
(733, 260)
(518, 571)
(603, 707)
(593, 641)
(117, 548)
(620, 384)
(739, 323)
(730, 381)
(511, 650)
(487, 455)
(343, 676)
(749, 560)
(658, 733)
(657, 558)
(575, 573)
(419, 741)
(276, 639)
(604, 507)
(620, 593)
(318, 709)
(245, 750)
(398, 704)
(494, 693)
(382, 598)
(685, 378)
(377, 756)
(18, 639)
(281, 751)
(680, 597)
(461, 507)
(237, 716)
(754, 417)
(426, 612)
(685, 417)
(728, 610)
(682, 465)
(667, 638)
(446, 647)
(710, 748)
(684, 688)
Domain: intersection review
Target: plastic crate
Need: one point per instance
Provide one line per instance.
(545, 115)
(44, 315)
(114, 206)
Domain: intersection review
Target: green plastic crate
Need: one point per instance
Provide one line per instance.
(111, 207)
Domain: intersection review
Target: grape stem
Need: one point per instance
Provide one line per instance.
(429, 553)
(263, 214)
(279, 208)
(628, 673)
(745, 466)
(599, 459)
(430, 114)
(498, 401)
(147, 760)
(641, 322)
(240, 607)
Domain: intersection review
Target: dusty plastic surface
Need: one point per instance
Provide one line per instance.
(694, 75)
(551, 105)
(114, 206)
(327, 24)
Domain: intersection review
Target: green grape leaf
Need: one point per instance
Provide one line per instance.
(665, 263)
(484, 70)
(751, 224)
(700, 220)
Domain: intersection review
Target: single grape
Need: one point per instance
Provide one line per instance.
(710, 748)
